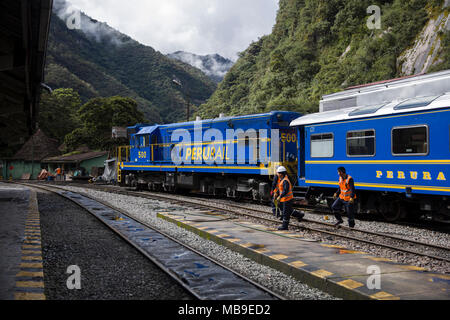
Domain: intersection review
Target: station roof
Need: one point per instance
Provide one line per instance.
(24, 29)
(371, 111)
(75, 158)
(38, 147)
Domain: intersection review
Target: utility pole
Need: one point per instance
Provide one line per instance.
(186, 97)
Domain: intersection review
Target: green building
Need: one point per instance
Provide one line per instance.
(26, 163)
(89, 161)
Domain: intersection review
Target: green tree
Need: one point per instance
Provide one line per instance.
(97, 117)
(57, 114)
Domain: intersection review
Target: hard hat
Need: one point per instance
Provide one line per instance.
(281, 169)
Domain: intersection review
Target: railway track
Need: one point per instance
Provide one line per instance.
(383, 240)
(201, 276)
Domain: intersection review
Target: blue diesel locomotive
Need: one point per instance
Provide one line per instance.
(230, 156)
(398, 154)
(393, 137)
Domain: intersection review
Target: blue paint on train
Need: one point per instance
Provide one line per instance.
(403, 153)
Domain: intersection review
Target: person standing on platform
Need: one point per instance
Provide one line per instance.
(273, 193)
(344, 197)
(285, 197)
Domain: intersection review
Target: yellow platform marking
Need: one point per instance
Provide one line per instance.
(297, 236)
(29, 296)
(343, 251)
(213, 231)
(261, 250)
(38, 258)
(350, 284)
(380, 259)
(279, 257)
(37, 265)
(332, 246)
(412, 268)
(322, 273)
(441, 276)
(384, 296)
(297, 264)
(31, 251)
(29, 284)
(29, 246)
(223, 235)
(246, 245)
(234, 240)
(202, 228)
(30, 274)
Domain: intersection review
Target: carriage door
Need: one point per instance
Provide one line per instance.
(301, 152)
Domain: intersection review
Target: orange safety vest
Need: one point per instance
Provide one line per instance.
(58, 171)
(345, 189)
(289, 196)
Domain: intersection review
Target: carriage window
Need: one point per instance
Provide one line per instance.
(322, 145)
(410, 141)
(361, 143)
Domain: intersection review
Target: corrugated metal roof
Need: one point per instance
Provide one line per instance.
(76, 157)
(377, 111)
(384, 92)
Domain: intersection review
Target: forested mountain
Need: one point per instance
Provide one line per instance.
(213, 65)
(319, 47)
(98, 61)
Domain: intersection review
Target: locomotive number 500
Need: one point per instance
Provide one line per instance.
(288, 137)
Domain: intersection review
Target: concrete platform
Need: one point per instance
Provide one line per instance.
(21, 270)
(334, 269)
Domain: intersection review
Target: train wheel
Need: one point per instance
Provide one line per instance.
(392, 211)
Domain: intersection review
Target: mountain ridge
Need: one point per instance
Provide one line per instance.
(97, 60)
(319, 47)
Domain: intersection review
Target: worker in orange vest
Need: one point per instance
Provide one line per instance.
(344, 197)
(283, 195)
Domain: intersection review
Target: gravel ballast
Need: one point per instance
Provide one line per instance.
(146, 210)
(110, 268)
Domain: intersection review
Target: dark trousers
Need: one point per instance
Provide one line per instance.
(349, 208)
(286, 208)
(274, 209)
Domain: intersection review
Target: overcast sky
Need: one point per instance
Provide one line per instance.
(198, 26)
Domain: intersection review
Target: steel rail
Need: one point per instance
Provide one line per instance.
(161, 266)
(240, 213)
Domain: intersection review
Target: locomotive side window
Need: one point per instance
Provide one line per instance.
(410, 140)
(361, 143)
(322, 145)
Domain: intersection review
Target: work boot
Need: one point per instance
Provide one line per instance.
(298, 215)
(337, 224)
(284, 226)
(351, 224)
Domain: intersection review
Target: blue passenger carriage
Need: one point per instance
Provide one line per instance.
(398, 154)
(233, 156)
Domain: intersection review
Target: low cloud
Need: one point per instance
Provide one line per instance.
(198, 26)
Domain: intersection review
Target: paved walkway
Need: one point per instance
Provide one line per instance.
(333, 269)
(21, 271)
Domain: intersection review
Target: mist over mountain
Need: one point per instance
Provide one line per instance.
(213, 65)
(99, 61)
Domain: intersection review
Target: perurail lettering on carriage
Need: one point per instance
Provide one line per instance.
(413, 175)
